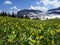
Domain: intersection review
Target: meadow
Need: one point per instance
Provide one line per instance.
(16, 31)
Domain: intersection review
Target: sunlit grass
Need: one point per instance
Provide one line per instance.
(17, 31)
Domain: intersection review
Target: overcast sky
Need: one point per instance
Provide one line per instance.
(16, 5)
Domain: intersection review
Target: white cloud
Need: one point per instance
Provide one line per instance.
(46, 4)
(54, 3)
(18, 9)
(37, 3)
(38, 8)
(13, 8)
(7, 2)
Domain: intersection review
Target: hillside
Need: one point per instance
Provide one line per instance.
(16, 31)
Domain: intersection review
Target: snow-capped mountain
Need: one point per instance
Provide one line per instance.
(28, 11)
(31, 13)
(54, 11)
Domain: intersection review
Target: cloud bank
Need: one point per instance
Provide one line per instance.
(46, 4)
(13, 8)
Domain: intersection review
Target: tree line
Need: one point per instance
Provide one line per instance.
(7, 14)
(14, 15)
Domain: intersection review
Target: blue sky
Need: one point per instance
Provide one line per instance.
(15, 5)
(6, 5)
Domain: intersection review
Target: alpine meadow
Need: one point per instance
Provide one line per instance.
(29, 22)
(16, 31)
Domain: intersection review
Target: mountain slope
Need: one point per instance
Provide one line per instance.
(54, 11)
(27, 12)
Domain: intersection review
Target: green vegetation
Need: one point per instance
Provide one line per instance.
(16, 31)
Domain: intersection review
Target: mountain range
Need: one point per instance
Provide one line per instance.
(26, 12)
(54, 11)
(39, 14)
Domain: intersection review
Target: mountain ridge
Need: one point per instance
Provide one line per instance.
(54, 11)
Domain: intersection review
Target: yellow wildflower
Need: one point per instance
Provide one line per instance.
(41, 37)
(33, 41)
(37, 37)
(10, 40)
(8, 23)
(13, 32)
(17, 23)
(18, 27)
(53, 42)
(52, 32)
(57, 30)
(12, 28)
(32, 33)
(59, 25)
(4, 24)
(5, 30)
